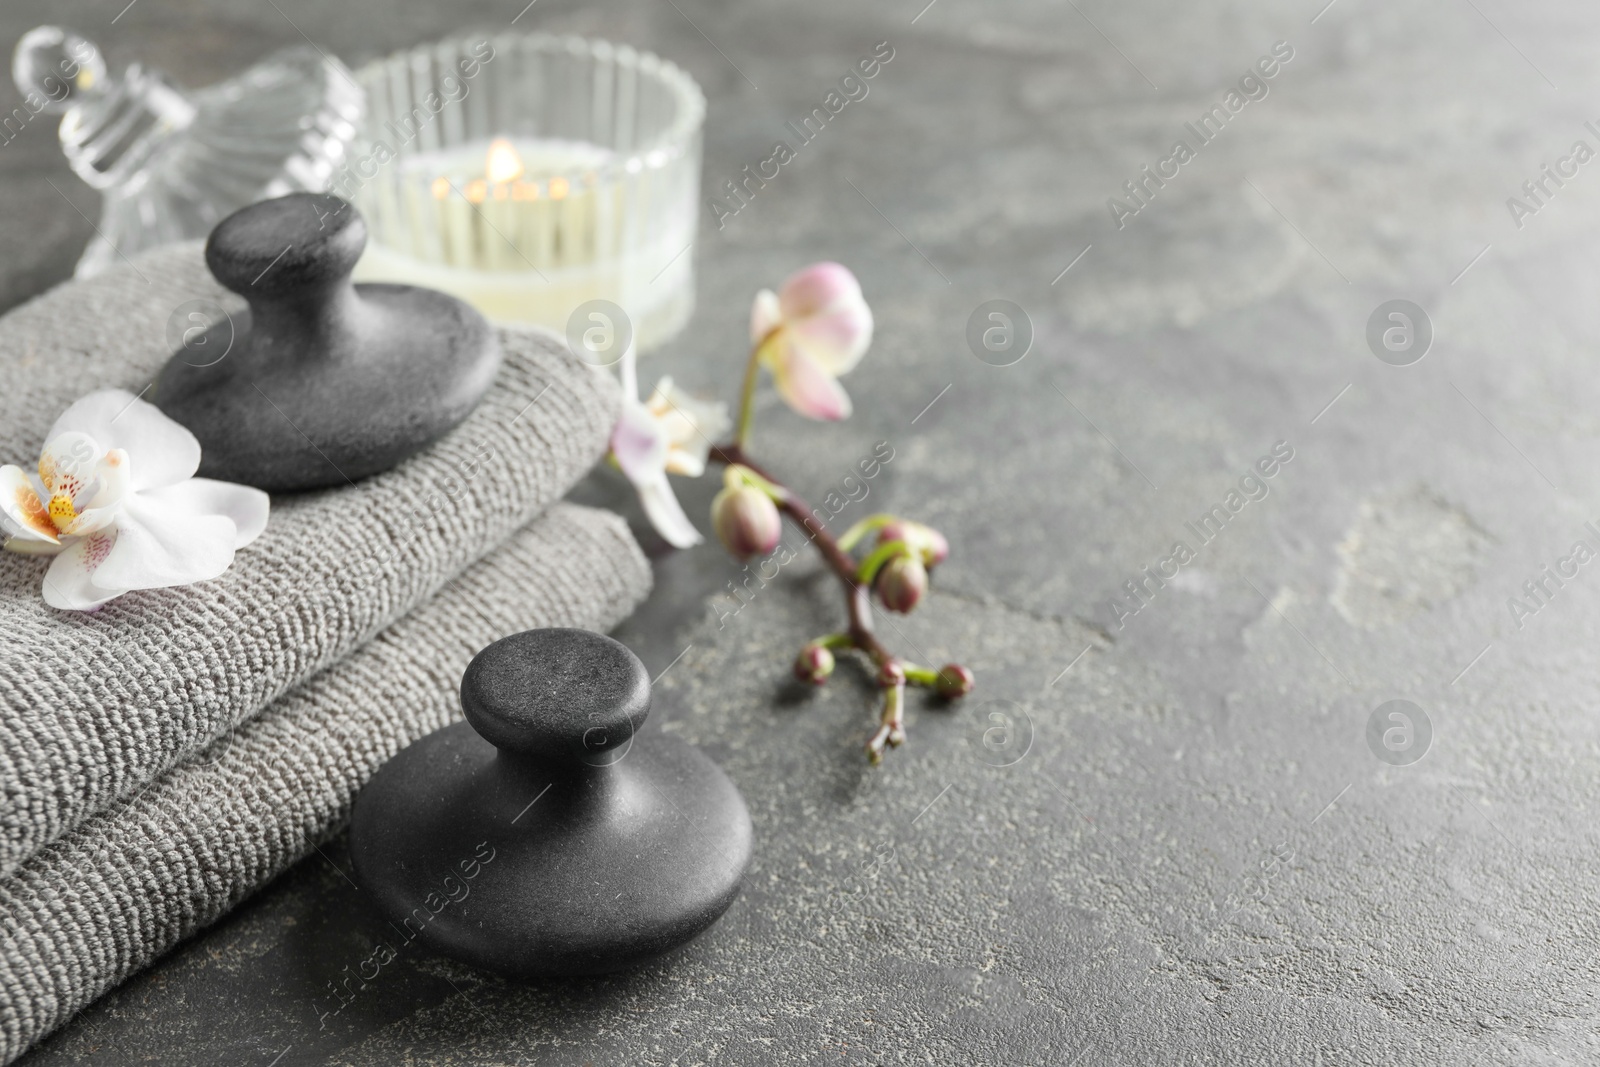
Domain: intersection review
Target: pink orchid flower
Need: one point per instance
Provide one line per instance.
(117, 504)
(814, 329)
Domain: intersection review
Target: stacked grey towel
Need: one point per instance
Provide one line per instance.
(163, 757)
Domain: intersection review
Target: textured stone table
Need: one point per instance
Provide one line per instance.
(1193, 853)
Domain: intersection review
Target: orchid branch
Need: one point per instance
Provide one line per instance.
(815, 662)
(815, 329)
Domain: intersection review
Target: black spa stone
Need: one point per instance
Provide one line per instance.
(546, 835)
(323, 382)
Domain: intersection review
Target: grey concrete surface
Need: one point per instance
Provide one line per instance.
(1194, 855)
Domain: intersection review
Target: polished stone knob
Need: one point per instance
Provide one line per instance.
(324, 382)
(546, 835)
(564, 696)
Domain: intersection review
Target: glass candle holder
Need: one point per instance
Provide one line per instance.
(531, 175)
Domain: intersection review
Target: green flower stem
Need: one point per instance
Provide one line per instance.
(926, 677)
(852, 537)
(877, 558)
(750, 477)
(747, 391)
(835, 642)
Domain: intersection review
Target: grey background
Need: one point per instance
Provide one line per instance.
(1195, 857)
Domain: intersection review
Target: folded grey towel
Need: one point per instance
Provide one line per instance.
(95, 706)
(132, 882)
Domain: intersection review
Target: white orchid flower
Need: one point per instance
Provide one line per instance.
(671, 433)
(117, 504)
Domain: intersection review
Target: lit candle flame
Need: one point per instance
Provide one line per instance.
(502, 164)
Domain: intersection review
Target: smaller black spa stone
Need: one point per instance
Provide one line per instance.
(323, 382)
(547, 835)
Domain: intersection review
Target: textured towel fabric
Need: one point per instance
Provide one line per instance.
(131, 882)
(95, 706)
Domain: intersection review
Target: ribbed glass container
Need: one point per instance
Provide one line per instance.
(530, 175)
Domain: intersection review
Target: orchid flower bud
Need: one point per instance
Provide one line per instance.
(955, 681)
(929, 543)
(746, 521)
(891, 674)
(901, 583)
(814, 664)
